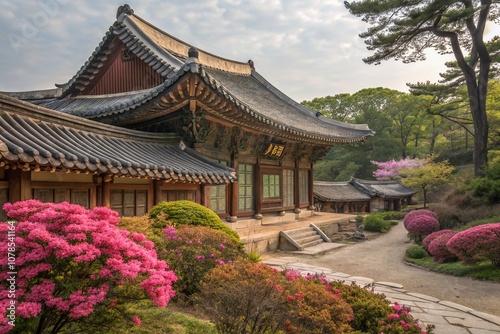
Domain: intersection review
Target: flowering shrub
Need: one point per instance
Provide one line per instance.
(313, 308)
(188, 213)
(477, 242)
(193, 251)
(244, 297)
(73, 264)
(422, 225)
(373, 313)
(428, 239)
(415, 213)
(439, 250)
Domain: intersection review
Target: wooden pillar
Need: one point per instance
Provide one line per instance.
(106, 190)
(203, 196)
(233, 193)
(257, 189)
(310, 187)
(296, 186)
(19, 185)
(157, 198)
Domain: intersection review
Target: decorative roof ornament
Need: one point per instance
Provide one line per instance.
(250, 62)
(193, 52)
(125, 9)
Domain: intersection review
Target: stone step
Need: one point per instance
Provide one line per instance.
(300, 230)
(306, 240)
(303, 234)
(313, 243)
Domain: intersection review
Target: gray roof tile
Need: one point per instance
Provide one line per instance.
(48, 139)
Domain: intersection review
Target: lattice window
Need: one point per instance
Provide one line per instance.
(245, 188)
(270, 185)
(288, 182)
(304, 186)
(129, 203)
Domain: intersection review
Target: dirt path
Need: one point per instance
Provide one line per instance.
(382, 259)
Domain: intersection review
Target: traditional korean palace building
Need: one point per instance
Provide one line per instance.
(150, 118)
(361, 196)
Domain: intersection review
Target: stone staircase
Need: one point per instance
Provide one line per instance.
(301, 238)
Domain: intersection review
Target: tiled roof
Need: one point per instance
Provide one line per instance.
(246, 91)
(267, 102)
(41, 139)
(385, 189)
(338, 191)
(97, 106)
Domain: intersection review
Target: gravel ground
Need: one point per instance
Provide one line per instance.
(381, 258)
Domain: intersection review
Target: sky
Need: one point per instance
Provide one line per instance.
(307, 49)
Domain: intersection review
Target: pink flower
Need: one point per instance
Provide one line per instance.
(136, 320)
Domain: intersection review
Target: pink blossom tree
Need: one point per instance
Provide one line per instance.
(389, 170)
(72, 265)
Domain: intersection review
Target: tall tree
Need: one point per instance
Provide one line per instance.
(405, 29)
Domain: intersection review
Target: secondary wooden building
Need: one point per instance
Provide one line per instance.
(361, 196)
(149, 118)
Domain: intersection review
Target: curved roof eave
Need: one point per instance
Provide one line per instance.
(362, 130)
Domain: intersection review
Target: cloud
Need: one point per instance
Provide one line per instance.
(307, 49)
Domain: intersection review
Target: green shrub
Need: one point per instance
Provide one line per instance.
(193, 251)
(416, 252)
(369, 308)
(392, 215)
(375, 223)
(359, 219)
(188, 213)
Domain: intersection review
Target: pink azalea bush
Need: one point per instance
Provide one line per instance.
(419, 212)
(428, 239)
(476, 243)
(73, 264)
(438, 249)
(193, 251)
(422, 225)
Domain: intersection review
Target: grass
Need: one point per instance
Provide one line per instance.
(174, 319)
(484, 270)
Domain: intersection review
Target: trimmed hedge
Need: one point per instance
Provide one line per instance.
(477, 242)
(188, 213)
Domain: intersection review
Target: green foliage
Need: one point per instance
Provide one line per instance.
(369, 308)
(254, 257)
(428, 177)
(488, 187)
(376, 223)
(392, 215)
(153, 320)
(188, 213)
(193, 251)
(416, 252)
(481, 270)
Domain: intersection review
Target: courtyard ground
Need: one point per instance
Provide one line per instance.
(381, 259)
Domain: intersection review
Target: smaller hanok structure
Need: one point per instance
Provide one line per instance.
(361, 196)
(340, 197)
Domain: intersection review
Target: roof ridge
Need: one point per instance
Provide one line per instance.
(180, 48)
